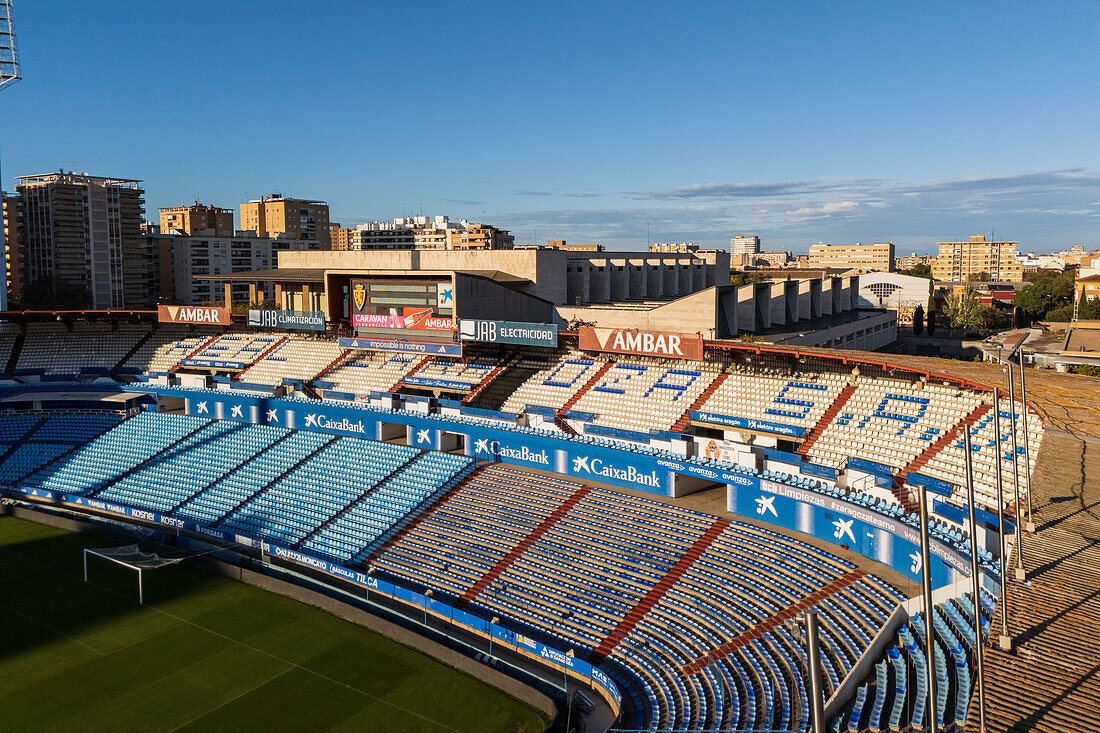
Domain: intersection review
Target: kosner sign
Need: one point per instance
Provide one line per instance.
(642, 343)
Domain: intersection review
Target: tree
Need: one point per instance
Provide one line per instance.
(921, 270)
(576, 324)
(741, 277)
(965, 311)
(918, 320)
(1048, 296)
(932, 320)
(979, 277)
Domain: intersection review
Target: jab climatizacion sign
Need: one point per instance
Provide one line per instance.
(297, 320)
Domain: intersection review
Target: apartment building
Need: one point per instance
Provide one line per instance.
(185, 262)
(76, 231)
(13, 253)
(959, 260)
(674, 247)
(909, 261)
(744, 244)
(195, 218)
(422, 232)
(340, 236)
(276, 215)
(877, 257)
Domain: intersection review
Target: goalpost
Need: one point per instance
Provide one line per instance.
(130, 557)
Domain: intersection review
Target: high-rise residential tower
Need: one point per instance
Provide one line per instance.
(77, 233)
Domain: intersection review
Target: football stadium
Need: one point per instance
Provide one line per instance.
(611, 529)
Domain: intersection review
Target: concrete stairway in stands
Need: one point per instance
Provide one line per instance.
(502, 564)
(770, 623)
(682, 423)
(628, 622)
(826, 420)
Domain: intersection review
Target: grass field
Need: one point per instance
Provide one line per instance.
(205, 653)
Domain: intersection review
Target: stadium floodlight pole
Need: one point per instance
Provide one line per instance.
(975, 579)
(1005, 642)
(926, 588)
(1030, 527)
(813, 658)
(427, 595)
(568, 697)
(1021, 574)
(496, 620)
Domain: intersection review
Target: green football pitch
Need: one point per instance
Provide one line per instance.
(205, 653)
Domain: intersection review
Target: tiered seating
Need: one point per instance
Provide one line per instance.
(163, 350)
(901, 678)
(948, 464)
(54, 349)
(469, 370)
(358, 529)
(555, 384)
(295, 358)
(236, 347)
(55, 436)
(891, 421)
(589, 570)
(185, 468)
(115, 453)
(642, 395)
(452, 548)
(371, 371)
(798, 400)
(9, 332)
(307, 496)
(288, 448)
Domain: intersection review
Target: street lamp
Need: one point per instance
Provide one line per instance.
(427, 595)
(568, 697)
(370, 573)
(496, 620)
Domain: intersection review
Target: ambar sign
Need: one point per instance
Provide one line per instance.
(193, 314)
(644, 343)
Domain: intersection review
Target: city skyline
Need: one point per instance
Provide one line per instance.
(832, 124)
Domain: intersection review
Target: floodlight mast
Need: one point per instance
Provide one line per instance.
(10, 73)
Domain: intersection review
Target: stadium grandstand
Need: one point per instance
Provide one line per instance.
(646, 531)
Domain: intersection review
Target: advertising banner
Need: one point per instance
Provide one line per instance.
(406, 347)
(438, 383)
(863, 530)
(933, 484)
(199, 314)
(214, 364)
(419, 319)
(296, 320)
(642, 343)
(508, 332)
(745, 423)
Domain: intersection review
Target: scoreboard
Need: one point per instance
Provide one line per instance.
(402, 308)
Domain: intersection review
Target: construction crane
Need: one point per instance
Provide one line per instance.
(9, 74)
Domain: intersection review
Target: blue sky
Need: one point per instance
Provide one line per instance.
(585, 121)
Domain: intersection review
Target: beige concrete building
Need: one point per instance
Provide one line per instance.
(959, 260)
(81, 239)
(744, 244)
(195, 218)
(679, 247)
(878, 257)
(276, 215)
(341, 237)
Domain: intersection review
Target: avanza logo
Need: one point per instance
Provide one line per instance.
(597, 467)
(318, 420)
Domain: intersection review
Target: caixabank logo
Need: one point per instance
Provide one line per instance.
(496, 449)
(630, 474)
(319, 421)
